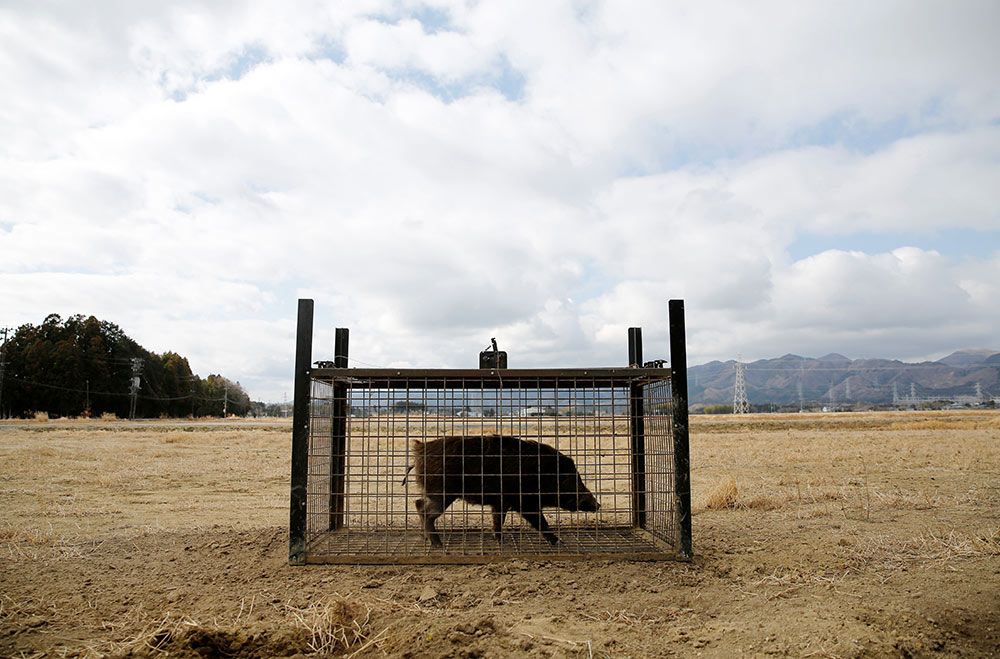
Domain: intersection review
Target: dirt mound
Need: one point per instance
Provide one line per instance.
(330, 626)
(197, 641)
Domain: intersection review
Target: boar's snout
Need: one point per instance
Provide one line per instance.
(589, 503)
(576, 496)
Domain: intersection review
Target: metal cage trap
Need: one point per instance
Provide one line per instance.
(477, 465)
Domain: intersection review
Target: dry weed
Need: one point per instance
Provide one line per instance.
(764, 502)
(176, 437)
(727, 495)
(154, 636)
(26, 536)
(887, 555)
(905, 500)
(859, 500)
(10, 608)
(782, 583)
(959, 545)
(967, 423)
(627, 618)
(335, 625)
(724, 495)
(856, 503)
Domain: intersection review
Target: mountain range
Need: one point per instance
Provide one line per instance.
(834, 379)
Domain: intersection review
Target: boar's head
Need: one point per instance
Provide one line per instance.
(574, 495)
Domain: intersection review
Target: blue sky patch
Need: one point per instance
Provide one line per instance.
(848, 129)
(243, 63)
(432, 19)
(502, 77)
(953, 243)
(329, 48)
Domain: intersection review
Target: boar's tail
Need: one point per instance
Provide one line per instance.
(418, 460)
(408, 470)
(418, 451)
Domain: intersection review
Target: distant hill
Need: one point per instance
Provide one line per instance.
(837, 379)
(968, 356)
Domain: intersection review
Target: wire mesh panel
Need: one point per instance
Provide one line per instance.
(505, 442)
(662, 518)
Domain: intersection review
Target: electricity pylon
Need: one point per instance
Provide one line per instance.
(135, 384)
(740, 403)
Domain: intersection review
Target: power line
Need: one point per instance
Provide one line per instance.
(19, 380)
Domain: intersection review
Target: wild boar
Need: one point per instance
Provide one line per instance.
(504, 473)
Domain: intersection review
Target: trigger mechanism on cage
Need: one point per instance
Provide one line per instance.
(493, 357)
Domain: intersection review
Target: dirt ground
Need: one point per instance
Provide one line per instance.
(815, 535)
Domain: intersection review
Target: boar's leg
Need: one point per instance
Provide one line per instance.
(498, 516)
(537, 520)
(430, 508)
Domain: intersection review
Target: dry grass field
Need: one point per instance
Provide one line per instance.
(816, 536)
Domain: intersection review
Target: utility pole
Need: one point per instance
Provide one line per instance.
(87, 405)
(3, 363)
(134, 389)
(741, 405)
(225, 398)
(802, 402)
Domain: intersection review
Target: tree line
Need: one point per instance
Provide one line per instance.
(82, 366)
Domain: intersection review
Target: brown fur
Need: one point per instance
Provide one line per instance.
(503, 472)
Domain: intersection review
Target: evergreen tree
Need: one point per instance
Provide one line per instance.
(82, 365)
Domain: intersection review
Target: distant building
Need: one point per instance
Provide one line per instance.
(537, 411)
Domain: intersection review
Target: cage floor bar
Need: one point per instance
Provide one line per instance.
(471, 546)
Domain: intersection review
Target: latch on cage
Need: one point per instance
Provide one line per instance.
(493, 357)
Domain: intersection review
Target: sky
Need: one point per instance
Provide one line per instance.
(809, 177)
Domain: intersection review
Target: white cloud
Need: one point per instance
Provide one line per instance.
(924, 182)
(549, 174)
